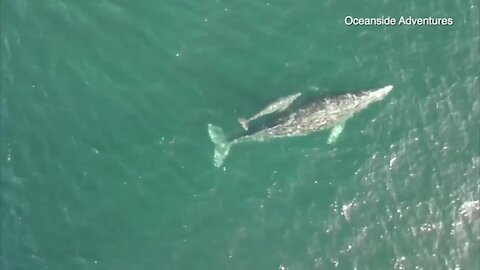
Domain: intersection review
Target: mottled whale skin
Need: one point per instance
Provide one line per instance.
(312, 117)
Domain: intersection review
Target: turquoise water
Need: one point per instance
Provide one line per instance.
(106, 162)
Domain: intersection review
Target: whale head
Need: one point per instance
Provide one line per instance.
(379, 94)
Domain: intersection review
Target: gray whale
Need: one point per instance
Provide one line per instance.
(312, 117)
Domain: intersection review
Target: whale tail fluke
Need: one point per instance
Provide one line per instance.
(243, 122)
(222, 146)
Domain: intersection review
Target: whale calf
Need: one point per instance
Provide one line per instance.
(314, 116)
(277, 106)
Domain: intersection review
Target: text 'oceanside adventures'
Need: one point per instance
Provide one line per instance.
(403, 20)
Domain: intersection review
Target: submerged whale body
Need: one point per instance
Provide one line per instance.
(313, 116)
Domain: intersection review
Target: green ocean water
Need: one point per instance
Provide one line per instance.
(106, 162)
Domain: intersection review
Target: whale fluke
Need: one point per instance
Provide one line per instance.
(222, 146)
(244, 123)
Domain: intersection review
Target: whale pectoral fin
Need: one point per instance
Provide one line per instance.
(335, 133)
